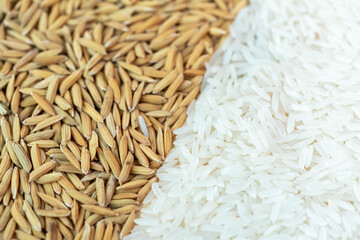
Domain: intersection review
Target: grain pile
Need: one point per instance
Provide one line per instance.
(271, 148)
(90, 93)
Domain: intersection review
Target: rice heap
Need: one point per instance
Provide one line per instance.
(271, 148)
(90, 92)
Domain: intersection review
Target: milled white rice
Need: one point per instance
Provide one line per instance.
(271, 149)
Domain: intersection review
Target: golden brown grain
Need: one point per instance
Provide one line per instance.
(5, 216)
(19, 218)
(140, 155)
(108, 231)
(146, 189)
(40, 171)
(99, 210)
(31, 216)
(129, 224)
(113, 162)
(110, 189)
(100, 190)
(45, 105)
(56, 213)
(132, 184)
(24, 181)
(100, 230)
(127, 165)
(52, 201)
(5, 182)
(71, 157)
(75, 79)
(49, 178)
(22, 156)
(47, 122)
(81, 197)
(15, 182)
(151, 154)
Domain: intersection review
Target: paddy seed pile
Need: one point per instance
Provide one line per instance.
(90, 94)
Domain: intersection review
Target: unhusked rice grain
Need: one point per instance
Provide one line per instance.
(271, 148)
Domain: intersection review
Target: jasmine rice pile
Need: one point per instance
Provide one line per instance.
(271, 148)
